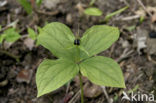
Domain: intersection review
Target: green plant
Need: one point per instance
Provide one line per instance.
(77, 56)
(142, 18)
(32, 34)
(109, 16)
(130, 28)
(92, 11)
(39, 2)
(92, 2)
(9, 35)
(0, 27)
(26, 5)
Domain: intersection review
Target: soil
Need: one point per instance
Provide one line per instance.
(137, 68)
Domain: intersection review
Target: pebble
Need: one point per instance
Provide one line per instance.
(24, 76)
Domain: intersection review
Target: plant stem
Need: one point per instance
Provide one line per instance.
(81, 86)
(9, 54)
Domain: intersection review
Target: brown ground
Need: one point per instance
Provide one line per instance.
(137, 68)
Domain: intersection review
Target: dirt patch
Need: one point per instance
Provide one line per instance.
(138, 68)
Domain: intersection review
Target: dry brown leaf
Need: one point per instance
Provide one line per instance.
(92, 90)
(29, 43)
(24, 76)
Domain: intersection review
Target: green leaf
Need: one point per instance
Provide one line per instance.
(93, 11)
(39, 2)
(32, 34)
(134, 89)
(40, 31)
(2, 38)
(0, 27)
(53, 74)
(103, 71)
(26, 5)
(11, 35)
(83, 49)
(57, 38)
(130, 28)
(92, 2)
(115, 13)
(99, 38)
(142, 18)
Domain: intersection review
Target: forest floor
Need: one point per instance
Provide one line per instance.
(135, 50)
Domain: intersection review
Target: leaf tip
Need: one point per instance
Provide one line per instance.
(39, 94)
(124, 86)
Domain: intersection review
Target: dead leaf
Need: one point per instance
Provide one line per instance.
(29, 43)
(49, 4)
(152, 10)
(80, 8)
(141, 13)
(69, 18)
(77, 81)
(24, 76)
(92, 90)
(7, 45)
(140, 39)
(3, 83)
(151, 47)
(153, 19)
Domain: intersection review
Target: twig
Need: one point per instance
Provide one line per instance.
(12, 24)
(81, 86)
(48, 13)
(3, 3)
(76, 97)
(130, 17)
(142, 5)
(106, 94)
(150, 59)
(68, 85)
(125, 2)
(125, 55)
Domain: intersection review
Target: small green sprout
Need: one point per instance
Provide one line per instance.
(92, 2)
(26, 5)
(92, 11)
(134, 89)
(77, 57)
(142, 18)
(0, 27)
(10, 35)
(130, 28)
(109, 16)
(39, 2)
(32, 34)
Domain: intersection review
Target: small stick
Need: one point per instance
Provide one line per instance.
(68, 86)
(124, 55)
(76, 97)
(81, 86)
(12, 24)
(142, 5)
(47, 13)
(150, 59)
(130, 17)
(106, 94)
(126, 2)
